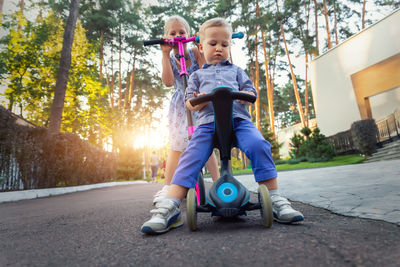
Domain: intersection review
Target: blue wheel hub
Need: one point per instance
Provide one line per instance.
(227, 192)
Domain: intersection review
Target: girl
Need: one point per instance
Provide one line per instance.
(178, 26)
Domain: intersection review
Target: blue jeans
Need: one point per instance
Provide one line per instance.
(249, 140)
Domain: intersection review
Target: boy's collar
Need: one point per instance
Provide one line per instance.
(222, 63)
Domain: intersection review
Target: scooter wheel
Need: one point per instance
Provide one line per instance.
(266, 206)
(191, 212)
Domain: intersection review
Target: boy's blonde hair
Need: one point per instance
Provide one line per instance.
(172, 19)
(215, 22)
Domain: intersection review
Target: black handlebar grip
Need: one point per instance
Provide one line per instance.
(200, 99)
(244, 96)
(153, 42)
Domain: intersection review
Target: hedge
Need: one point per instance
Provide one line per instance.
(31, 158)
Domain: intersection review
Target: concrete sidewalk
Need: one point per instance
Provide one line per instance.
(36, 193)
(368, 190)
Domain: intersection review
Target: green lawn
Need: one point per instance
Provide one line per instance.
(336, 161)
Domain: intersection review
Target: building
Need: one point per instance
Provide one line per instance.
(359, 78)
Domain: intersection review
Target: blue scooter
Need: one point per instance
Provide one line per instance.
(227, 197)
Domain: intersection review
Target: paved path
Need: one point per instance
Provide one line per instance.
(369, 190)
(101, 227)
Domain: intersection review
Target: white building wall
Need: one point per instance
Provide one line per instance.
(333, 94)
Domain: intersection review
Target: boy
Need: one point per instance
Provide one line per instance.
(215, 38)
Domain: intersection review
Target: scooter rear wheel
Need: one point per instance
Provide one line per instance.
(191, 212)
(266, 206)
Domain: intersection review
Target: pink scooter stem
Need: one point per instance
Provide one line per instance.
(180, 41)
(182, 59)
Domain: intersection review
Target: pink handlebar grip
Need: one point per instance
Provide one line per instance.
(191, 130)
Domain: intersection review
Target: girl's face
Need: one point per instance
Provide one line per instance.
(176, 29)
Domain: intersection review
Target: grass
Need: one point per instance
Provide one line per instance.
(336, 161)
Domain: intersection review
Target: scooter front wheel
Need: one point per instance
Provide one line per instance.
(266, 206)
(191, 212)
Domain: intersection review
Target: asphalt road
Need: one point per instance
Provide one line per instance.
(101, 227)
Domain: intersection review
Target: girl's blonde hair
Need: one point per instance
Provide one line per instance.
(172, 19)
(215, 22)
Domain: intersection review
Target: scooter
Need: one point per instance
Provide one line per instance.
(227, 197)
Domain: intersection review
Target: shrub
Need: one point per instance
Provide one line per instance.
(32, 158)
(236, 164)
(293, 161)
(130, 165)
(271, 138)
(314, 147)
(364, 134)
(280, 161)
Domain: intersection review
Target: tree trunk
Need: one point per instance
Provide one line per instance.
(63, 71)
(257, 78)
(132, 80)
(101, 55)
(252, 77)
(316, 28)
(127, 87)
(112, 76)
(119, 70)
(306, 92)
(270, 94)
(325, 12)
(328, 31)
(296, 91)
(336, 31)
(1, 9)
(363, 14)
(21, 6)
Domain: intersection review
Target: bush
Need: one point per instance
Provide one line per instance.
(280, 161)
(314, 146)
(130, 166)
(293, 161)
(32, 158)
(271, 138)
(236, 164)
(364, 134)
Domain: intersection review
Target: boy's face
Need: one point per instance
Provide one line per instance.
(216, 44)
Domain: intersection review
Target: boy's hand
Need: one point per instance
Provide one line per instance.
(197, 107)
(245, 102)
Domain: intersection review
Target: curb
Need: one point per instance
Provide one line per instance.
(38, 193)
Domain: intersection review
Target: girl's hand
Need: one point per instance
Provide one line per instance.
(245, 102)
(166, 48)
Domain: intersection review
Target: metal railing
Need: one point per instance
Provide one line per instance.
(388, 129)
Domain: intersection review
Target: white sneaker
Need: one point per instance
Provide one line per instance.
(166, 216)
(160, 195)
(283, 211)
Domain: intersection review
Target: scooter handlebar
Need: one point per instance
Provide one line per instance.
(153, 42)
(235, 95)
(238, 35)
(244, 96)
(200, 99)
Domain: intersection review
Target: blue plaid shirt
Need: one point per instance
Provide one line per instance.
(223, 74)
